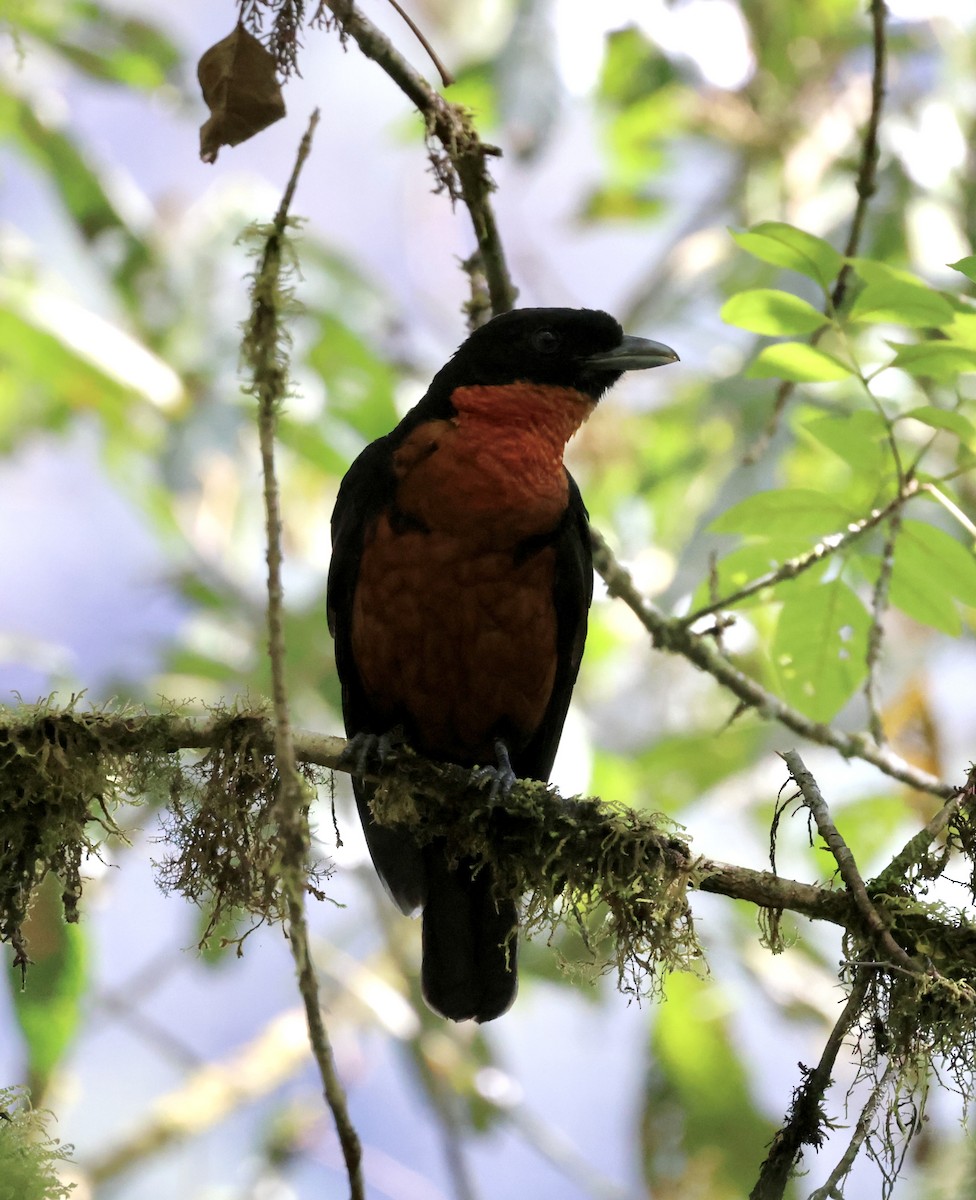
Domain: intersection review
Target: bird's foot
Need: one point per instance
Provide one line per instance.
(499, 779)
(367, 752)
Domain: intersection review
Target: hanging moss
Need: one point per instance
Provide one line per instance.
(222, 825)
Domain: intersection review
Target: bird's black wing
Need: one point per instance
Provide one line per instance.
(367, 489)
(572, 594)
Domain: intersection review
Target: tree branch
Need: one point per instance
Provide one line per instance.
(672, 636)
(461, 171)
(794, 567)
(263, 348)
(851, 876)
(585, 839)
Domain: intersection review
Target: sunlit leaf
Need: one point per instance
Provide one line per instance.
(788, 512)
(858, 438)
(874, 271)
(786, 246)
(939, 360)
(798, 362)
(751, 561)
(930, 569)
(772, 312)
(819, 647)
(901, 303)
(914, 593)
(943, 418)
(967, 266)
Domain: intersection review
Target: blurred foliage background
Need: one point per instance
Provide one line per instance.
(635, 136)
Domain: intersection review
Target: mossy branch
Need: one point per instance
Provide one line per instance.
(221, 807)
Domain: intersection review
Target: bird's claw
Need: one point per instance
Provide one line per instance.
(500, 779)
(367, 752)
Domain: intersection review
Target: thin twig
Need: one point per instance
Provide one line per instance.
(867, 173)
(270, 385)
(672, 636)
(807, 1121)
(796, 566)
(951, 507)
(465, 175)
(879, 605)
(845, 862)
(446, 77)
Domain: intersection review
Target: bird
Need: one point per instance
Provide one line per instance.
(458, 594)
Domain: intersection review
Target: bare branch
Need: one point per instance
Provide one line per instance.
(829, 1190)
(867, 172)
(851, 876)
(446, 77)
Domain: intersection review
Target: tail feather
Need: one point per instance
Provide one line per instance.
(470, 941)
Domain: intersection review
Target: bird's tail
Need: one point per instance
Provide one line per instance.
(470, 941)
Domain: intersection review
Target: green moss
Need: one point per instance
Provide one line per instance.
(222, 824)
(618, 878)
(59, 785)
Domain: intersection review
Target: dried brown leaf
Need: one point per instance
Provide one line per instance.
(239, 84)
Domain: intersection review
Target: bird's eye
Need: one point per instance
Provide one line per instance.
(545, 341)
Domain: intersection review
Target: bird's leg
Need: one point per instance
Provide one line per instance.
(367, 751)
(501, 778)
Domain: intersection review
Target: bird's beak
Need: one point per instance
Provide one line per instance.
(633, 354)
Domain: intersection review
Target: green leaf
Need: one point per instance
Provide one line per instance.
(902, 304)
(961, 330)
(633, 68)
(819, 647)
(942, 418)
(694, 1043)
(940, 360)
(359, 382)
(772, 312)
(799, 362)
(685, 765)
(788, 512)
(875, 272)
(786, 246)
(916, 595)
(48, 1008)
(967, 266)
(855, 437)
(930, 567)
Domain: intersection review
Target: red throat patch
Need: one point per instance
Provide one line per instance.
(495, 470)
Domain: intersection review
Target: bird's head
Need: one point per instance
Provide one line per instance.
(580, 348)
